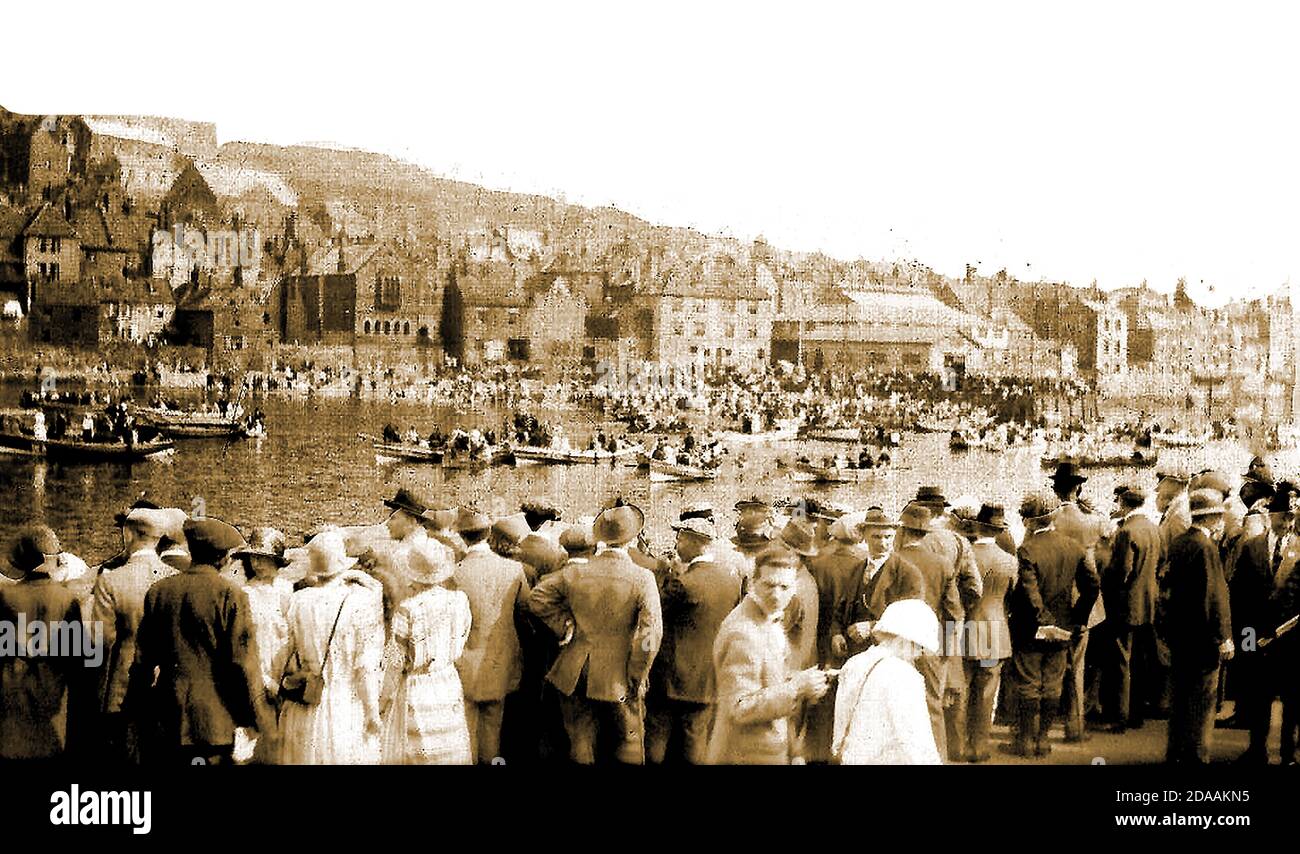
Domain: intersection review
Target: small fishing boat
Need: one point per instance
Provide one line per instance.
(406, 453)
(662, 472)
(179, 424)
(71, 451)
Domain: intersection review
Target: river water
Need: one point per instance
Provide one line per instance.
(314, 468)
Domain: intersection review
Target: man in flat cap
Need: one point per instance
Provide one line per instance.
(1129, 587)
(118, 605)
(607, 615)
(697, 595)
(197, 676)
(492, 663)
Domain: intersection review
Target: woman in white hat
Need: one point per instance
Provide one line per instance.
(424, 718)
(336, 630)
(881, 716)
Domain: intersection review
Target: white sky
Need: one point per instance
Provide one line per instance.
(1116, 141)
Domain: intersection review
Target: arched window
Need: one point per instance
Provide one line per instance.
(406, 328)
(367, 327)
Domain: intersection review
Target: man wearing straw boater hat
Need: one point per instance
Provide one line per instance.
(492, 664)
(1130, 588)
(915, 571)
(1045, 615)
(698, 593)
(1199, 630)
(606, 613)
(118, 603)
(196, 633)
(1088, 529)
(987, 639)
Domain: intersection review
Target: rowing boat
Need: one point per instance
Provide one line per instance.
(662, 472)
(528, 455)
(70, 451)
(808, 473)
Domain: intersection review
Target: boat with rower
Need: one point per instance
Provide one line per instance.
(180, 424)
(802, 472)
(1136, 459)
(531, 455)
(73, 451)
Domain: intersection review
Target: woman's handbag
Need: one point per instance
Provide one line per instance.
(303, 685)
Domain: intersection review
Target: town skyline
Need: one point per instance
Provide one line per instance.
(1165, 195)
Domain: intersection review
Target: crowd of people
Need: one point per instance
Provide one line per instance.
(816, 634)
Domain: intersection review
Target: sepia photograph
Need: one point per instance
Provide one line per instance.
(546, 385)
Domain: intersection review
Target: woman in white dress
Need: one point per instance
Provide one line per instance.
(338, 623)
(424, 717)
(880, 712)
(269, 597)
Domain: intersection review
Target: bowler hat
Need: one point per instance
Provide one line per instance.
(800, 537)
(406, 500)
(752, 529)
(1255, 490)
(877, 518)
(577, 538)
(619, 525)
(916, 517)
(931, 495)
(1205, 502)
(210, 540)
(265, 542)
(698, 527)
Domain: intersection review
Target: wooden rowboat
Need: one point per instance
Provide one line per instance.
(70, 451)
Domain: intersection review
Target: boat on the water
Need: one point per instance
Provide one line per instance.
(1137, 459)
(179, 424)
(406, 453)
(662, 472)
(808, 473)
(72, 451)
(832, 434)
(491, 456)
(527, 455)
(1181, 439)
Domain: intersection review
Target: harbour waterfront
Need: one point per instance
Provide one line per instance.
(314, 468)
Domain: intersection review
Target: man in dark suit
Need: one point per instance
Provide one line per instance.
(1129, 588)
(1171, 503)
(491, 665)
(196, 676)
(851, 619)
(697, 595)
(1198, 628)
(1253, 597)
(607, 615)
(1046, 614)
(118, 605)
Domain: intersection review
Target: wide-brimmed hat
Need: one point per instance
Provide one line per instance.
(265, 542)
(931, 495)
(697, 526)
(912, 620)
(539, 510)
(991, 517)
(151, 523)
(541, 553)
(618, 525)
(512, 528)
(406, 500)
(916, 517)
(1253, 491)
(32, 546)
(139, 504)
(328, 554)
(800, 537)
(1067, 471)
(1039, 504)
(428, 562)
(471, 520)
(752, 504)
(1131, 494)
(1205, 502)
(210, 540)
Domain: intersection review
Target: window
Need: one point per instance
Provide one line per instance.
(54, 244)
(43, 270)
(406, 328)
(367, 327)
(731, 330)
(694, 350)
(160, 312)
(753, 309)
(753, 332)
(387, 328)
(41, 245)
